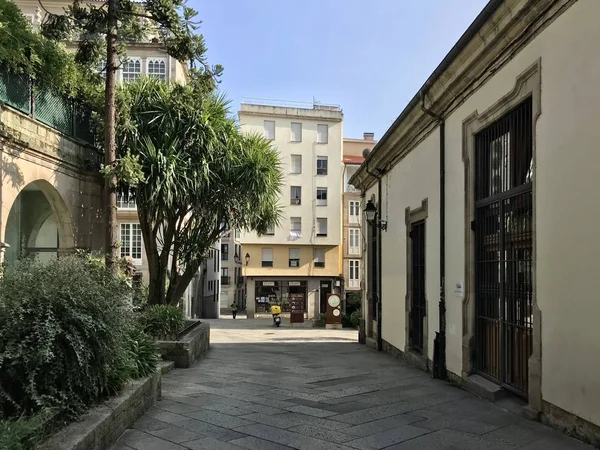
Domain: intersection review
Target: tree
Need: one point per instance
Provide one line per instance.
(103, 32)
(201, 176)
(48, 63)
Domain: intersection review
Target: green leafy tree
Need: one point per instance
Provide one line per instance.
(201, 176)
(102, 32)
(47, 62)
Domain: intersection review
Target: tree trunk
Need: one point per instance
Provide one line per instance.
(110, 144)
(156, 270)
(179, 283)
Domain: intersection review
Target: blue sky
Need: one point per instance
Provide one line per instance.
(368, 56)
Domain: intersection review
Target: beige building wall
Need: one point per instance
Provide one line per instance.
(563, 58)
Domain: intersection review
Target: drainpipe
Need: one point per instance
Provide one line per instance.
(378, 230)
(439, 343)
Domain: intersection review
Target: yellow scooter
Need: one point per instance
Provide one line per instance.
(276, 312)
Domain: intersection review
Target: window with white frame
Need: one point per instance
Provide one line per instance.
(294, 259)
(270, 230)
(295, 195)
(296, 132)
(321, 165)
(157, 68)
(354, 211)
(270, 130)
(354, 241)
(322, 134)
(354, 273)
(131, 69)
(131, 241)
(321, 196)
(296, 166)
(267, 257)
(321, 226)
(319, 256)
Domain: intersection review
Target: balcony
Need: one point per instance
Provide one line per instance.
(225, 280)
(349, 189)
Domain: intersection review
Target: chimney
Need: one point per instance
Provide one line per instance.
(369, 136)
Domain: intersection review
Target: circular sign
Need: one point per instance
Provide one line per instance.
(334, 301)
(336, 312)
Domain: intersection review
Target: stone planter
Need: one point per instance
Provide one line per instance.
(101, 426)
(192, 345)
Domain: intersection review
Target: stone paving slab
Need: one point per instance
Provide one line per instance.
(261, 388)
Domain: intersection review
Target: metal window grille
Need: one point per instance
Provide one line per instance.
(417, 291)
(321, 165)
(504, 248)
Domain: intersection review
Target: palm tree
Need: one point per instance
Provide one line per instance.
(202, 176)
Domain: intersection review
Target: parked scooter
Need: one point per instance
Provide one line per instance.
(276, 312)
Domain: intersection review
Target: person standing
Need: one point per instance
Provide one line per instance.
(234, 309)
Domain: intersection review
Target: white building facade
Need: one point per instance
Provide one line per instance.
(302, 256)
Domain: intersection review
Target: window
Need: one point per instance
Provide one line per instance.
(321, 226)
(270, 130)
(225, 276)
(157, 68)
(224, 252)
(237, 234)
(294, 260)
(296, 164)
(296, 132)
(319, 257)
(132, 69)
(270, 231)
(321, 196)
(296, 226)
(210, 285)
(354, 241)
(354, 211)
(131, 241)
(322, 134)
(353, 273)
(321, 165)
(267, 257)
(101, 69)
(295, 195)
(30, 18)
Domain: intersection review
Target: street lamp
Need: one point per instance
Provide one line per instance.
(247, 258)
(371, 215)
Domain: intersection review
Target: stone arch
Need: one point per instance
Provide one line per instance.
(37, 207)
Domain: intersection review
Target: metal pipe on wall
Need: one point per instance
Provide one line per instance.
(439, 343)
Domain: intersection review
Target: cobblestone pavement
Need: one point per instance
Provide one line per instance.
(265, 388)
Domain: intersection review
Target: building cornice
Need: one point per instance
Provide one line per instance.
(502, 29)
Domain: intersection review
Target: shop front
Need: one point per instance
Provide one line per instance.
(280, 292)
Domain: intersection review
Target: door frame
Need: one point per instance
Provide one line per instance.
(527, 84)
(410, 217)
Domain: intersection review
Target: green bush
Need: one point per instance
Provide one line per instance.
(144, 354)
(65, 336)
(320, 322)
(355, 318)
(24, 433)
(163, 321)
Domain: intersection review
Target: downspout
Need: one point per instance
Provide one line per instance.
(378, 230)
(439, 343)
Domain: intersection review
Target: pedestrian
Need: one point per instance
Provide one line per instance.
(234, 309)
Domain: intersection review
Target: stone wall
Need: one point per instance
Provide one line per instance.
(101, 427)
(189, 349)
(64, 169)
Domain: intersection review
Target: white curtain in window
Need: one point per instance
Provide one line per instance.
(296, 132)
(322, 134)
(296, 163)
(270, 129)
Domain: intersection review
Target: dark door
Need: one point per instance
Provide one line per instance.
(504, 249)
(417, 291)
(325, 288)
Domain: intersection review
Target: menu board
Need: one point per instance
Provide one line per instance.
(296, 308)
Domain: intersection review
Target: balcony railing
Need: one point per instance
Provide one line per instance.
(351, 189)
(45, 105)
(225, 280)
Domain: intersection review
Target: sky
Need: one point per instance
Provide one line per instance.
(368, 56)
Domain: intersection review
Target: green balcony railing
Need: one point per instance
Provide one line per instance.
(46, 106)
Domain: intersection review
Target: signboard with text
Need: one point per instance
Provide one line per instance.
(296, 308)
